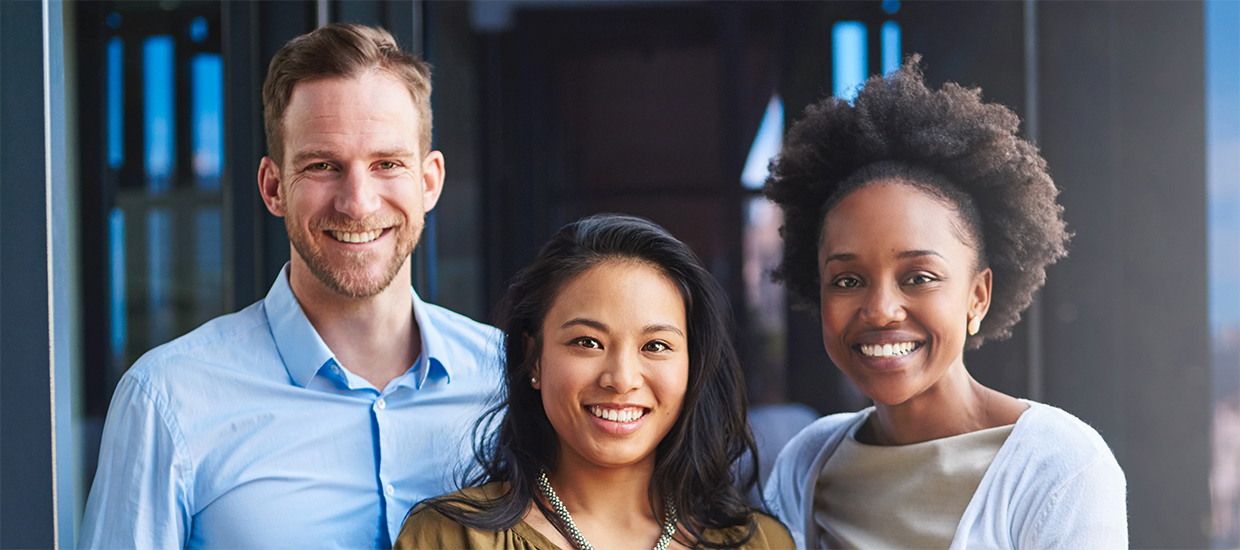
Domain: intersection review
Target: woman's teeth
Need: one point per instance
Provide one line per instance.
(888, 350)
(618, 415)
(356, 236)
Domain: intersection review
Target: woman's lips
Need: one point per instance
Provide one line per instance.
(887, 356)
(895, 349)
(617, 420)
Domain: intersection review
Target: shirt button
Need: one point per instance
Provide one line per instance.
(381, 404)
(389, 489)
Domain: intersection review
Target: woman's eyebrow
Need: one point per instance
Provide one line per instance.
(663, 328)
(587, 322)
(918, 254)
(841, 257)
(849, 256)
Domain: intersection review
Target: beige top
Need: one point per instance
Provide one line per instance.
(428, 529)
(906, 496)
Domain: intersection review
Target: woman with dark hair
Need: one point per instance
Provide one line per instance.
(919, 225)
(624, 410)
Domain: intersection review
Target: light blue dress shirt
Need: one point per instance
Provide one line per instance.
(247, 433)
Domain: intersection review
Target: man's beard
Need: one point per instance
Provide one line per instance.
(336, 277)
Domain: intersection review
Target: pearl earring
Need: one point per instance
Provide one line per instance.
(975, 325)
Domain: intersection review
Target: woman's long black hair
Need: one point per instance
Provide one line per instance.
(694, 462)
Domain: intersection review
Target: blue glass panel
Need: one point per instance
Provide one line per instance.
(1222, 45)
(891, 47)
(208, 118)
(198, 29)
(849, 61)
(765, 146)
(116, 269)
(159, 274)
(1223, 160)
(159, 116)
(208, 265)
(116, 102)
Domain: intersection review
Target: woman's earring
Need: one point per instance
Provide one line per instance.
(533, 381)
(975, 325)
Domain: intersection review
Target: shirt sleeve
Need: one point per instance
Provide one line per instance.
(1087, 511)
(139, 498)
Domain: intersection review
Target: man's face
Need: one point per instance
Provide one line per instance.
(353, 188)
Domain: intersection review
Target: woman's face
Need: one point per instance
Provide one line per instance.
(614, 365)
(899, 283)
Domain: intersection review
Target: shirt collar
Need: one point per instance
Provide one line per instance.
(304, 352)
(431, 363)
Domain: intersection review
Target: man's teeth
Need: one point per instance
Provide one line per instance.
(618, 415)
(356, 236)
(888, 350)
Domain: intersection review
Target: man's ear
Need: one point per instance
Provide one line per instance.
(269, 186)
(432, 179)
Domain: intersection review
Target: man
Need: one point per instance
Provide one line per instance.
(299, 422)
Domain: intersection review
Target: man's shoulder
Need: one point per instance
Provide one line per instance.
(464, 337)
(229, 342)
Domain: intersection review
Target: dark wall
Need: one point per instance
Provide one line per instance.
(1127, 343)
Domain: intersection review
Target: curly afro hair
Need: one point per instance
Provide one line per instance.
(947, 142)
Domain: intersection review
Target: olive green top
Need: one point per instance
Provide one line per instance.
(426, 529)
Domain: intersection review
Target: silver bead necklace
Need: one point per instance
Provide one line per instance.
(579, 540)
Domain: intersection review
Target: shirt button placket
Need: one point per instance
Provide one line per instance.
(389, 491)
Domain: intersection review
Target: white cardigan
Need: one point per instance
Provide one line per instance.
(1054, 484)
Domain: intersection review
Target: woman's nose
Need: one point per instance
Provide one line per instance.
(884, 304)
(623, 373)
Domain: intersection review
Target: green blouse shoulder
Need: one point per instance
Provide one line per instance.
(427, 529)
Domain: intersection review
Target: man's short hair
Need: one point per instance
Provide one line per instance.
(341, 50)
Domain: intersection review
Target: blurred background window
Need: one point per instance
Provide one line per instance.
(1223, 188)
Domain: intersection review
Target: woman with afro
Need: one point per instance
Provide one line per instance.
(919, 225)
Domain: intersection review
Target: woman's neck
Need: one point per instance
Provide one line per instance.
(604, 492)
(610, 506)
(956, 405)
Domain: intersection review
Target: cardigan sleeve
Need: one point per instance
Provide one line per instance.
(783, 495)
(1086, 511)
(794, 472)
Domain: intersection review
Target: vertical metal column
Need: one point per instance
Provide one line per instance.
(34, 348)
(1033, 316)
